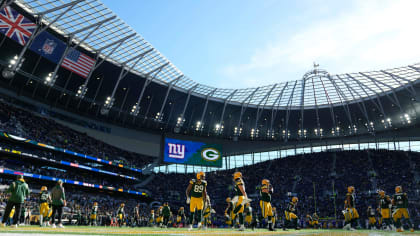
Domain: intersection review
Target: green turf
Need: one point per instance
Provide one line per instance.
(146, 231)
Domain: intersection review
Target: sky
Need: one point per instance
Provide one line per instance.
(250, 43)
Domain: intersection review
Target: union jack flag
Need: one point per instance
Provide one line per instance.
(15, 25)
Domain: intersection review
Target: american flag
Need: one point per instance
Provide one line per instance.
(78, 63)
(15, 25)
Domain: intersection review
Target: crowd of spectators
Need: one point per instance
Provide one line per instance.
(43, 129)
(319, 180)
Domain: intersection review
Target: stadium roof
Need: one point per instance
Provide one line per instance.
(100, 31)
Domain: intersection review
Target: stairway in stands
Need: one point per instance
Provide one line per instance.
(371, 172)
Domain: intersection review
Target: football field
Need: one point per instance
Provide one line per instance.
(146, 231)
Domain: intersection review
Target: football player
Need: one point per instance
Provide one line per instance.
(93, 214)
(121, 214)
(152, 218)
(248, 214)
(136, 215)
(371, 217)
(207, 213)
(228, 212)
(384, 210)
(44, 201)
(350, 212)
(274, 218)
(196, 195)
(290, 218)
(315, 220)
(400, 201)
(180, 217)
(265, 202)
(240, 199)
(159, 216)
(166, 213)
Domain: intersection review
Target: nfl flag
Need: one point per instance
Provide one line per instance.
(78, 63)
(48, 46)
(15, 25)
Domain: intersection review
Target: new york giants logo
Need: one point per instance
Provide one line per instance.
(176, 150)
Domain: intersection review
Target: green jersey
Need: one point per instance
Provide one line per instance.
(181, 212)
(94, 210)
(197, 188)
(239, 182)
(401, 200)
(44, 196)
(385, 202)
(248, 211)
(120, 210)
(166, 211)
(266, 197)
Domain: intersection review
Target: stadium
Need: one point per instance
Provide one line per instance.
(119, 141)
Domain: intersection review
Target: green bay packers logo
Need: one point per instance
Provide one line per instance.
(210, 154)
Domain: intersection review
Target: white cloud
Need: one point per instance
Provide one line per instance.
(372, 35)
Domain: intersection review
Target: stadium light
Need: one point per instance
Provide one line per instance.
(135, 110)
(109, 102)
(283, 132)
(159, 117)
(180, 121)
(406, 119)
(49, 80)
(387, 123)
(237, 131)
(319, 132)
(302, 133)
(8, 72)
(81, 92)
(199, 126)
(218, 128)
(254, 133)
(270, 134)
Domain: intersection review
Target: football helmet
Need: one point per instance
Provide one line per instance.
(382, 193)
(237, 175)
(265, 182)
(201, 175)
(44, 188)
(398, 189)
(95, 203)
(295, 199)
(350, 189)
(228, 199)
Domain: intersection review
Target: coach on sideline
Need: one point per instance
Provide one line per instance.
(19, 190)
(58, 198)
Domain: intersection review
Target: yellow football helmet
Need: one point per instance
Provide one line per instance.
(274, 209)
(382, 193)
(95, 203)
(265, 182)
(201, 175)
(237, 175)
(398, 189)
(122, 204)
(152, 211)
(228, 199)
(44, 188)
(350, 189)
(181, 208)
(247, 205)
(295, 199)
